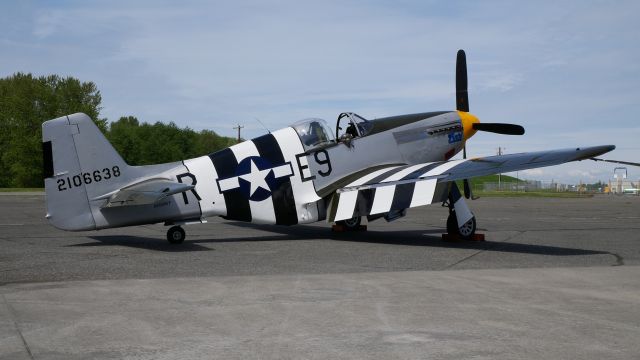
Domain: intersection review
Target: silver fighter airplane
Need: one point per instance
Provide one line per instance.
(303, 173)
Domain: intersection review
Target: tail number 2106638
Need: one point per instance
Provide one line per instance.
(87, 178)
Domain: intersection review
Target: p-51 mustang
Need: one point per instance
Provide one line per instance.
(300, 174)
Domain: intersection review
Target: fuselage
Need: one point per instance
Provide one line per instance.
(282, 177)
(318, 171)
(277, 179)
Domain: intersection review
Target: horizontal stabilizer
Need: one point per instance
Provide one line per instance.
(146, 192)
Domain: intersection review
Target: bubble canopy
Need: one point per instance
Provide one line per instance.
(313, 132)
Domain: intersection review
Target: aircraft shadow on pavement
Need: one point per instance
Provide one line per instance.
(190, 244)
(141, 242)
(428, 238)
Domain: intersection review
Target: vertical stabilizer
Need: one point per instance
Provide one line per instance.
(79, 163)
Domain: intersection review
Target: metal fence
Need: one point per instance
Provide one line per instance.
(615, 186)
(524, 185)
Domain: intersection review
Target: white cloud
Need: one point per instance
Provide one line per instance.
(500, 81)
(533, 173)
(46, 23)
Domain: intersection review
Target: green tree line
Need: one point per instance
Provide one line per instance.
(143, 144)
(27, 101)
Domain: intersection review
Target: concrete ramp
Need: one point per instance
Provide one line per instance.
(552, 313)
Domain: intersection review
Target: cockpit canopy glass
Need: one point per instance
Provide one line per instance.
(352, 124)
(313, 133)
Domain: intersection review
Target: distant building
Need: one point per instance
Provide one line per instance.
(622, 185)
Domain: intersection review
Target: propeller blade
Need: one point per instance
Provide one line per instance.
(500, 128)
(462, 96)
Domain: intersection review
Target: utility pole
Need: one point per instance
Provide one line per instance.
(238, 128)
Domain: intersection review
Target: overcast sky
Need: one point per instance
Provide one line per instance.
(568, 71)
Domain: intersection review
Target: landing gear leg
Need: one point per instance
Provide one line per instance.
(459, 213)
(175, 235)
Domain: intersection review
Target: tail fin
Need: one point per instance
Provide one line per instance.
(77, 154)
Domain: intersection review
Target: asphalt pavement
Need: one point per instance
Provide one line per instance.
(556, 278)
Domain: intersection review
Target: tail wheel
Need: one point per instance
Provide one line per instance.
(176, 235)
(466, 231)
(350, 224)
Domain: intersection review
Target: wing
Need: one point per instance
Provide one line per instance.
(144, 192)
(398, 188)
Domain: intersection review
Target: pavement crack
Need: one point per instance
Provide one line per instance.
(463, 259)
(481, 251)
(619, 259)
(12, 314)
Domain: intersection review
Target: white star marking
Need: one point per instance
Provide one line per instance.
(257, 178)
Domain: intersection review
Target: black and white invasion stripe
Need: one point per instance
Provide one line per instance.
(280, 207)
(369, 195)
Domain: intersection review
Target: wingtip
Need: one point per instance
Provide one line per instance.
(604, 148)
(590, 152)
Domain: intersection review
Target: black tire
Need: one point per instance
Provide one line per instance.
(465, 232)
(350, 224)
(452, 224)
(176, 235)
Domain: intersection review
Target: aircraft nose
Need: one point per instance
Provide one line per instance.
(467, 120)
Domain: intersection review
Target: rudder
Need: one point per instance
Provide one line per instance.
(77, 154)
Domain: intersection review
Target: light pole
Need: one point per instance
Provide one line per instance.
(499, 175)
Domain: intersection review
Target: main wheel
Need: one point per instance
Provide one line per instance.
(176, 235)
(351, 224)
(465, 231)
(452, 224)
